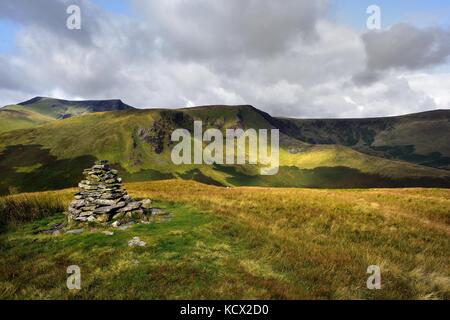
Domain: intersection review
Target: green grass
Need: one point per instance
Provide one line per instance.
(188, 256)
(55, 108)
(62, 147)
(244, 243)
(340, 156)
(418, 138)
(19, 118)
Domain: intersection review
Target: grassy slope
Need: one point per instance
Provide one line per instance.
(419, 138)
(245, 243)
(110, 135)
(55, 108)
(335, 156)
(42, 110)
(427, 136)
(45, 107)
(20, 118)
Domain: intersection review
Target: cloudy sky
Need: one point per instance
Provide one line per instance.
(298, 58)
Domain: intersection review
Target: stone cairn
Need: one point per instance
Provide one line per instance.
(102, 199)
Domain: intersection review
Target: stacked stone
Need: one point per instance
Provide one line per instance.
(102, 199)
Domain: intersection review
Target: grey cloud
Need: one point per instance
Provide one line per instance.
(200, 29)
(282, 57)
(403, 46)
(52, 15)
(367, 77)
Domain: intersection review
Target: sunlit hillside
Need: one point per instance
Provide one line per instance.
(138, 143)
(238, 243)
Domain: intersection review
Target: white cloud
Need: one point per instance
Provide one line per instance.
(436, 86)
(215, 52)
(403, 47)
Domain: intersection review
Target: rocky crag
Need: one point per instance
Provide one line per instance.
(102, 199)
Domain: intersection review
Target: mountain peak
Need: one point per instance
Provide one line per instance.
(63, 109)
(38, 99)
(32, 100)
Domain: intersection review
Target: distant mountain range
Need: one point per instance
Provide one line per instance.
(40, 110)
(421, 138)
(45, 144)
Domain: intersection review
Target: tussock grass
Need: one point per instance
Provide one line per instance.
(320, 242)
(244, 243)
(17, 209)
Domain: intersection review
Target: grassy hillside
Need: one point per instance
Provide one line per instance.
(61, 109)
(41, 110)
(242, 243)
(340, 156)
(52, 156)
(19, 118)
(420, 138)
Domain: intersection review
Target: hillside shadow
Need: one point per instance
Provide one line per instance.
(30, 168)
(27, 168)
(328, 177)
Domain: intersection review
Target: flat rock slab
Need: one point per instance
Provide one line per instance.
(159, 212)
(54, 229)
(136, 242)
(75, 231)
(125, 226)
(159, 215)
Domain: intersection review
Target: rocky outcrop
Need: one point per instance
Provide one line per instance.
(102, 199)
(159, 133)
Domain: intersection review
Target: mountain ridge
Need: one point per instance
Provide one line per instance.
(124, 106)
(446, 112)
(137, 142)
(421, 138)
(41, 110)
(334, 153)
(114, 102)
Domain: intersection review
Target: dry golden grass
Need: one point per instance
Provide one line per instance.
(327, 238)
(245, 243)
(16, 209)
